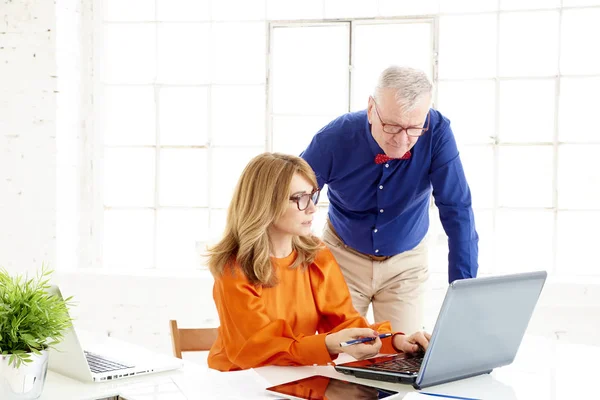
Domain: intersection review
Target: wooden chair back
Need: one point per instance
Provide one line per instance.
(198, 339)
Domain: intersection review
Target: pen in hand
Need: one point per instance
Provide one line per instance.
(363, 340)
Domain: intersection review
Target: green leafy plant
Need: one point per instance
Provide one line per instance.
(31, 319)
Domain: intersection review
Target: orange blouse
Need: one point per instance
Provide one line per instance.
(285, 324)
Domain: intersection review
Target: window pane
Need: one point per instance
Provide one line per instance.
(238, 10)
(128, 10)
(519, 101)
(309, 71)
(578, 26)
(178, 232)
(458, 57)
(524, 241)
(239, 52)
(226, 169)
(183, 10)
(396, 8)
(293, 134)
(294, 9)
(438, 242)
(578, 179)
(579, 100)
(183, 177)
(129, 177)
(183, 51)
(350, 9)
(129, 118)
(484, 224)
(529, 43)
(238, 115)
(478, 163)
(120, 63)
(183, 116)
(528, 4)
(471, 108)
(319, 220)
(376, 48)
(324, 196)
(578, 243)
(128, 239)
(467, 6)
(218, 221)
(525, 174)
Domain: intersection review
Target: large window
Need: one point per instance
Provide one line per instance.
(181, 109)
(319, 71)
(520, 94)
(187, 92)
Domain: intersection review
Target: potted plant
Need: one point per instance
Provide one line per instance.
(31, 321)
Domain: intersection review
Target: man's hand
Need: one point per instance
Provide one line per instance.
(413, 343)
(359, 351)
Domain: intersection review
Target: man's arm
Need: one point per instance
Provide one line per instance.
(319, 160)
(453, 199)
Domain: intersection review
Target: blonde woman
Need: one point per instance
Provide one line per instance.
(279, 292)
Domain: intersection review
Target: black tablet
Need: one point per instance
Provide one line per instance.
(319, 387)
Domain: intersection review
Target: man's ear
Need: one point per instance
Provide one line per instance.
(369, 108)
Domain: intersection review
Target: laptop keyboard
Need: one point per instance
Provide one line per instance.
(100, 364)
(406, 365)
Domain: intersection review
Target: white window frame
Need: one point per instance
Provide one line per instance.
(351, 22)
(90, 248)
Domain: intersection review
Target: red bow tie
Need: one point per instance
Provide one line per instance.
(382, 158)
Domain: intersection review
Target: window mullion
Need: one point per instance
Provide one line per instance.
(496, 152)
(554, 267)
(157, 143)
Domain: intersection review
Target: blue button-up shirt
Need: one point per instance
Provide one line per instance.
(382, 209)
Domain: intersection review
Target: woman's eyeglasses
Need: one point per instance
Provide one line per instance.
(303, 200)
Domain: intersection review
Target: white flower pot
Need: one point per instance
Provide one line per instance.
(25, 382)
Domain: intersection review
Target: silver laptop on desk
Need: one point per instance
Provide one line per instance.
(70, 359)
(480, 327)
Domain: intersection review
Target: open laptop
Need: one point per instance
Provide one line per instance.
(70, 359)
(480, 327)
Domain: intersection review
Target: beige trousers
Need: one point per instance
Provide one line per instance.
(396, 286)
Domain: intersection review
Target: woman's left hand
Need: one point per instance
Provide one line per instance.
(413, 343)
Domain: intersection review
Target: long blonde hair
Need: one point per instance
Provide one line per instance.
(260, 198)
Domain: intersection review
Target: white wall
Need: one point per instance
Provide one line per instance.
(138, 308)
(28, 85)
(135, 308)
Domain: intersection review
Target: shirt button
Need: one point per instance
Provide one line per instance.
(376, 250)
(380, 186)
(381, 210)
(375, 230)
(387, 165)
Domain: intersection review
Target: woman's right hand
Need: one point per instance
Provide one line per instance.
(359, 351)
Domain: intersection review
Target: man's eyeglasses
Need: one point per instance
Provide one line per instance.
(396, 129)
(303, 200)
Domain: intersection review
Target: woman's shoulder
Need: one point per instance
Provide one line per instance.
(232, 271)
(233, 279)
(324, 258)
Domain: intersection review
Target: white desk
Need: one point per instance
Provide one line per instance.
(544, 369)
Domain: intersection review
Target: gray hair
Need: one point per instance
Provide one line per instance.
(411, 85)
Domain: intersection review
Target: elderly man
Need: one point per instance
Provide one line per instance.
(381, 165)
